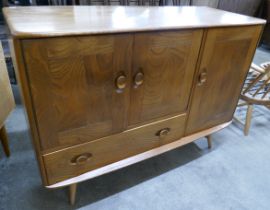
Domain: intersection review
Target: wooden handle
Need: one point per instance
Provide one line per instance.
(138, 79)
(121, 82)
(80, 159)
(202, 78)
(163, 133)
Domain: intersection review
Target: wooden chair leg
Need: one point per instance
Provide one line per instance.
(209, 141)
(72, 193)
(4, 140)
(248, 119)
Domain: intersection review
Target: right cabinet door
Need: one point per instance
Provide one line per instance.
(225, 61)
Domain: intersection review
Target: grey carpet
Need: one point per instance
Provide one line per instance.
(232, 175)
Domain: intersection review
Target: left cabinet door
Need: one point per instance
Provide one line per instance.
(79, 87)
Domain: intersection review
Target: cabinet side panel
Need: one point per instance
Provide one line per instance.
(18, 62)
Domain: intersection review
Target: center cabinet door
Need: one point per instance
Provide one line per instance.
(163, 67)
(79, 87)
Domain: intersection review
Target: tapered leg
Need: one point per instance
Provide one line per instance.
(248, 119)
(72, 193)
(209, 141)
(4, 140)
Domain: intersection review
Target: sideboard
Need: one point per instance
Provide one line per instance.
(106, 87)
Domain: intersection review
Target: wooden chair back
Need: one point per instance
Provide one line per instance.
(257, 86)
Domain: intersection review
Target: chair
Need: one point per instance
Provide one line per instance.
(256, 91)
(6, 101)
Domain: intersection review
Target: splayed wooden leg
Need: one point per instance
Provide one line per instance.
(209, 141)
(248, 119)
(4, 141)
(72, 193)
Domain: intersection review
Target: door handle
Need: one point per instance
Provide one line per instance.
(202, 78)
(121, 83)
(163, 133)
(80, 159)
(138, 79)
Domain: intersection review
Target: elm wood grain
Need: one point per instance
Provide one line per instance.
(21, 75)
(195, 78)
(72, 81)
(167, 60)
(138, 158)
(227, 55)
(33, 22)
(4, 140)
(60, 165)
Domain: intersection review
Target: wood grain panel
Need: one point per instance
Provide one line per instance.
(227, 55)
(72, 81)
(107, 150)
(16, 51)
(167, 60)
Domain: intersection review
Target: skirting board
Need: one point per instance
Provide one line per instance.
(137, 158)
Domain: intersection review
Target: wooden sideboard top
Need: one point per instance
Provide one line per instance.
(51, 21)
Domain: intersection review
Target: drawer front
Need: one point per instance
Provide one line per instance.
(79, 159)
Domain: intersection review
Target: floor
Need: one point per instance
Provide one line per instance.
(234, 174)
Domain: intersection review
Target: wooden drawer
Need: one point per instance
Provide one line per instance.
(79, 159)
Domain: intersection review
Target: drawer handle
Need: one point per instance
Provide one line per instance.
(81, 159)
(163, 133)
(202, 78)
(138, 79)
(120, 83)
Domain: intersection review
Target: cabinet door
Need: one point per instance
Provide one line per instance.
(226, 58)
(163, 69)
(73, 85)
